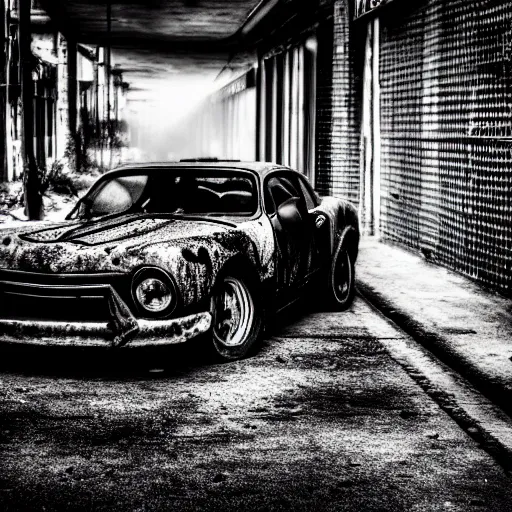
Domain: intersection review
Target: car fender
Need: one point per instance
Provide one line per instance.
(343, 223)
(194, 263)
(349, 238)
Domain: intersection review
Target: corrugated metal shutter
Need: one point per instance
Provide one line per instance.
(338, 108)
(346, 150)
(446, 80)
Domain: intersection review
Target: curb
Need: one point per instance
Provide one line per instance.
(435, 343)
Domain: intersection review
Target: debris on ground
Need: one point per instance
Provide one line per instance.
(62, 192)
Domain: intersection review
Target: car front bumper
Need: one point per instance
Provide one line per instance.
(97, 334)
(119, 328)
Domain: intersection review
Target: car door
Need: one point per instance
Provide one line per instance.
(319, 221)
(296, 256)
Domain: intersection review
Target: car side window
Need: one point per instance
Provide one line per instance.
(269, 202)
(307, 192)
(278, 190)
(294, 183)
(302, 191)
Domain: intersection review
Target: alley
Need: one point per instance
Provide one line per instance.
(320, 418)
(397, 116)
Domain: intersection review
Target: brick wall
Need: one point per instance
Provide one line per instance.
(324, 107)
(338, 106)
(446, 80)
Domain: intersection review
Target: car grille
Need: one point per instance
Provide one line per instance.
(71, 297)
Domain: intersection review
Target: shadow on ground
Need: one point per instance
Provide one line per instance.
(136, 362)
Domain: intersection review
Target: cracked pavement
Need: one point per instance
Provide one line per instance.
(322, 417)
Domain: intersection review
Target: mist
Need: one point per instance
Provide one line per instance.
(161, 119)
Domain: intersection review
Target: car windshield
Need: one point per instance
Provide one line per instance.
(186, 191)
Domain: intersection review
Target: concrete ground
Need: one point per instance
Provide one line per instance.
(466, 326)
(323, 417)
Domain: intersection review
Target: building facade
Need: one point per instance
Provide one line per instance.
(444, 168)
(77, 98)
(403, 107)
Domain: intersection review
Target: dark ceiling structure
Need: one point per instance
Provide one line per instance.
(157, 20)
(155, 41)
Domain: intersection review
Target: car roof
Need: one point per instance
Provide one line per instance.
(260, 168)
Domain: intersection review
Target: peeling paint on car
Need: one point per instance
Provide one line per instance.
(260, 231)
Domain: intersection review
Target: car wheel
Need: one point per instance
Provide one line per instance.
(341, 280)
(236, 319)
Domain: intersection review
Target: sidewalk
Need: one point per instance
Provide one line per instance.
(468, 328)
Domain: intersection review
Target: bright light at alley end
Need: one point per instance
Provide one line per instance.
(153, 292)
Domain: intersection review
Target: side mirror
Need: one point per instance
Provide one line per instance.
(85, 209)
(80, 210)
(289, 215)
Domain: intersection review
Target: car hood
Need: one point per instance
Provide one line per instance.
(110, 245)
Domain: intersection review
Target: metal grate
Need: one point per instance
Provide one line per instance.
(338, 109)
(346, 127)
(446, 79)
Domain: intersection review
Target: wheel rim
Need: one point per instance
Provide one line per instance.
(342, 276)
(233, 313)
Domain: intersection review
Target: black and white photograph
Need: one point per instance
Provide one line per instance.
(256, 255)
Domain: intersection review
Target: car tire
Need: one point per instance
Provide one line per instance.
(341, 283)
(237, 319)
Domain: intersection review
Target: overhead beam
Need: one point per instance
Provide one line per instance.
(257, 15)
(181, 46)
(58, 14)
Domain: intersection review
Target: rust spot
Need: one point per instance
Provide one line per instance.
(202, 256)
(188, 255)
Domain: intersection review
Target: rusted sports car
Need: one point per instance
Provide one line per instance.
(162, 253)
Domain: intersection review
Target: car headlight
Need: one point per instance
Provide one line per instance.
(154, 292)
